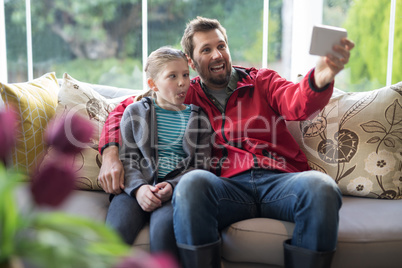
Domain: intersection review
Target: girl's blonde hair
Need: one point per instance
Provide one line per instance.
(155, 64)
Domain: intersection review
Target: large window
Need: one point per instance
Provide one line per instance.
(106, 41)
(376, 28)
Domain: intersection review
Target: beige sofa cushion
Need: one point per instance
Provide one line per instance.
(370, 235)
(81, 98)
(370, 232)
(256, 240)
(88, 204)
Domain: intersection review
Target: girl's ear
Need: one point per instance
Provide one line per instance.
(151, 84)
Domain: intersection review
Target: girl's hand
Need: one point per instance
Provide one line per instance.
(163, 191)
(146, 198)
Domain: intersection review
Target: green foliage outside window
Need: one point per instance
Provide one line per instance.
(368, 26)
(100, 41)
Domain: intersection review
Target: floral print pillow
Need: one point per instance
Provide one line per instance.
(357, 140)
(81, 98)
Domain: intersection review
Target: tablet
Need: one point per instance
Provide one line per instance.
(324, 37)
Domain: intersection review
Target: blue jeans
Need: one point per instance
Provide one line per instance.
(204, 204)
(127, 217)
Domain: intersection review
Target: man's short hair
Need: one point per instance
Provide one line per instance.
(199, 24)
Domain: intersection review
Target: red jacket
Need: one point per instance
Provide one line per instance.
(251, 132)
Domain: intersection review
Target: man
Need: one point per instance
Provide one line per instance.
(258, 168)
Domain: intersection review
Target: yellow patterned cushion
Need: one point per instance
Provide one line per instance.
(36, 102)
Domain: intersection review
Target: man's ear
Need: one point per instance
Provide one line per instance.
(151, 84)
(191, 63)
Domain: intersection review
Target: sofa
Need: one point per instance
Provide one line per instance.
(356, 139)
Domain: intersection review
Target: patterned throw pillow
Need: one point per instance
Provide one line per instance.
(35, 102)
(357, 140)
(78, 97)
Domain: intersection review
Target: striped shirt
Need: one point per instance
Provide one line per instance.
(171, 128)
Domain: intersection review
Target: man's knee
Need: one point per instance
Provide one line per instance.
(322, 187)
(327, 191)
(194, 182)
(193, 188)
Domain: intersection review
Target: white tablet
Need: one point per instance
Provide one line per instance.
(324, 38)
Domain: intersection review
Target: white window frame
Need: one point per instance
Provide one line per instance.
(391, 42)
(306, 14)
(29, 39)
(3, 46)
(144, 40)
(265, 28)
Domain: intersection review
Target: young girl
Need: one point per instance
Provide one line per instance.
(162, 139)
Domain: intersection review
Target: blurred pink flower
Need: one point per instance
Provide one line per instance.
(54, 181)
(7, 133)
(69, 134)
(146, 260)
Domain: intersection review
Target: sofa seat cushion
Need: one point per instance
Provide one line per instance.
(370, 232)
(256, 240)
(370, 220)
(370, 235)
(88, 204)
(142, 239)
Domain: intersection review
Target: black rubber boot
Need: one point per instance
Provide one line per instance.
(205, 256)
(305, 258)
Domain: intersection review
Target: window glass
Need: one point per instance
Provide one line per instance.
(16, 41)
(275, 36)
(335, 13)
(367, 22)
(242, 19)
(100, 41)
(94, 41)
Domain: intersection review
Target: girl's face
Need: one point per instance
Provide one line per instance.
(171, 85)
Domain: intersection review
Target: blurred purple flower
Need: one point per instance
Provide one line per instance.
(7, 133)
(54, 181)
(145, 260)
(69, 134)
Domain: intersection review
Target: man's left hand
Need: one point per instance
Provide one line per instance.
(330, 65)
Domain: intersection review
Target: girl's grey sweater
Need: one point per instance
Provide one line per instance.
(139, 152)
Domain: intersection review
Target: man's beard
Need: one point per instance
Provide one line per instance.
(217, 81)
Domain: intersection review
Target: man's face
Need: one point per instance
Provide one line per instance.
(211, 59)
